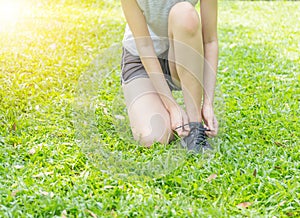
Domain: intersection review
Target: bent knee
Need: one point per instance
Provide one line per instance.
(158, 130)
(183, 15)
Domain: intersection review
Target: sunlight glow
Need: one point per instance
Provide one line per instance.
(9, 12)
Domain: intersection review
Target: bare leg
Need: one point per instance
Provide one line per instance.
(186, 56)
(148, 117)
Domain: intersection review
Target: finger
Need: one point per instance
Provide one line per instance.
(210, 129)
(213, 130)
(185, 121)
(182, 128)
(210, 125)
(185, 125)
(181, 131)
(210, 134)
(184, 133)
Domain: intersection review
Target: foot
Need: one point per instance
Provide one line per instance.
(197, 139)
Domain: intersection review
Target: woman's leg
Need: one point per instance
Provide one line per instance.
(148, 117)
(186, 59)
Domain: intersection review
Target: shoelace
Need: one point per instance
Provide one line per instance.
(178, 127)
(198, 133)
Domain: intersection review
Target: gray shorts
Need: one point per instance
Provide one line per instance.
(132, 68)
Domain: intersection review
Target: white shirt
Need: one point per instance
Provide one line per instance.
(156, 13)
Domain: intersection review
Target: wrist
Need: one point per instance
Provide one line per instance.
(173, 107)
(207, 103)
(169, 103)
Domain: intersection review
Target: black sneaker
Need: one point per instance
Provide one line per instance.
(197, 139)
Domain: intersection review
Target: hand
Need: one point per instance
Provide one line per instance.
(210, 120)
(179, 121)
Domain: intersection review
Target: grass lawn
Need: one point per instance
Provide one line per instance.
(59, 110)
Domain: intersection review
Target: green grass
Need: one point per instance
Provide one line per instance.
(47, 169)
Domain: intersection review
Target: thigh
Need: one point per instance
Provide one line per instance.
(148, 117)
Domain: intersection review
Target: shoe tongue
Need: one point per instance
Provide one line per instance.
(196, 125)
(197, 130)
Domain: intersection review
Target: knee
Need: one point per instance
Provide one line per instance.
(184, 16)
(159, 130)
